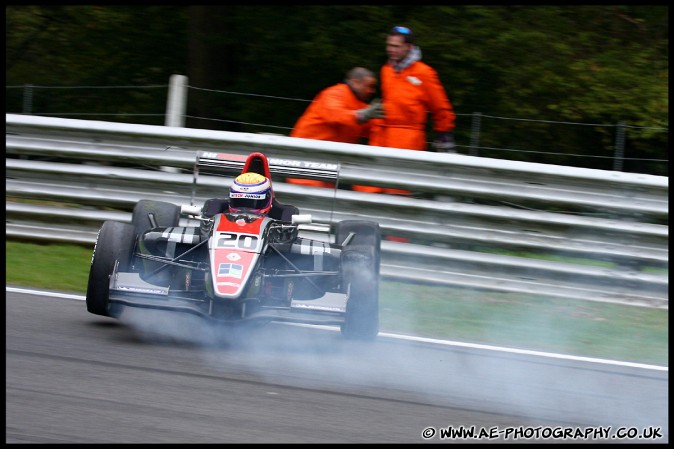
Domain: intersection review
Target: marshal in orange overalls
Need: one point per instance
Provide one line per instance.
(408, 98)
(331, 116)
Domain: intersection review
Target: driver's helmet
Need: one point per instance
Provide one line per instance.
(250, 192)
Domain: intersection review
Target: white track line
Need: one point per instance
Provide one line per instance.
(415, 339)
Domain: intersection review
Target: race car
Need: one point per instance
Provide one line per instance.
(239, 267)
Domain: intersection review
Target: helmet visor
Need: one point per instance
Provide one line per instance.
(255, 202)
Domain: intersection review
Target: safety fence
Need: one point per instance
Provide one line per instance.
(472, 222)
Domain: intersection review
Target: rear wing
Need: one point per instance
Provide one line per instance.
(231, 165)
(225, 164)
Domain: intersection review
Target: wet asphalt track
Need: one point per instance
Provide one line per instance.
(73, 377)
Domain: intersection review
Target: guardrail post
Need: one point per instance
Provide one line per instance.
(619, 147)
(475, 133)
(27, 98)
(176, 103)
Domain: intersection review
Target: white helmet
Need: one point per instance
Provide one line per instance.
(250, 192)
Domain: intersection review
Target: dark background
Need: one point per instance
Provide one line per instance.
(552, 83)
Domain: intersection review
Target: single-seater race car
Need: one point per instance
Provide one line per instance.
(239, 267)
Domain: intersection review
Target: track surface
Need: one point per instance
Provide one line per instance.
(73, 377)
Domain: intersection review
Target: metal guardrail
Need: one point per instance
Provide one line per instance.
(584, 234)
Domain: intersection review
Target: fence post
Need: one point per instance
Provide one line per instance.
(27, 98)
(475, 133)
(619, 147)
(176, 103)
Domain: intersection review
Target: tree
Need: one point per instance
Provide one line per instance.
(255, 68)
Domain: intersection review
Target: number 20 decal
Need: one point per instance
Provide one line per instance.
(238, 241)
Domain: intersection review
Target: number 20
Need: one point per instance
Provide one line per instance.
(241, 241)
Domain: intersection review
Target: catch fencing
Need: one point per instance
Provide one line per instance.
(472, 222)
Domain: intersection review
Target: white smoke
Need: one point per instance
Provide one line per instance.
(528, 391)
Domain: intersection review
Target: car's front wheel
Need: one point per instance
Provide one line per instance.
(115, 242)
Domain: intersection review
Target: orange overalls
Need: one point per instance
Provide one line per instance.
(331, 116)
(408, 97)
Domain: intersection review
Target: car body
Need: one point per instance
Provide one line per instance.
(237, 268)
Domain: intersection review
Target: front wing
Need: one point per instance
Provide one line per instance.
(129, 290)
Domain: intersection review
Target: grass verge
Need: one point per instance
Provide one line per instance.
(583, 328)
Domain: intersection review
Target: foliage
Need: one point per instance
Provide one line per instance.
(587, 64)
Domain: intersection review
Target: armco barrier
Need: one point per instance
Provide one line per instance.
(584, 234)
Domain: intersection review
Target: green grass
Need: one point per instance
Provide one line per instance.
(583, 328)
(55, 266)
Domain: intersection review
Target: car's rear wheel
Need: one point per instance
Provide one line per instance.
(365, 233)
(164, 215)
(115, 242)
(360, 275)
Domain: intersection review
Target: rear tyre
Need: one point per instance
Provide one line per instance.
(165, 215)
(115, 242)
(366, 233)
(360, 275)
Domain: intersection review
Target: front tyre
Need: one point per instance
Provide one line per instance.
(115, 242)
(360, 275)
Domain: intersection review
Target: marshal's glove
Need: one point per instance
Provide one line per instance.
(375, 110)
(444, 143)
